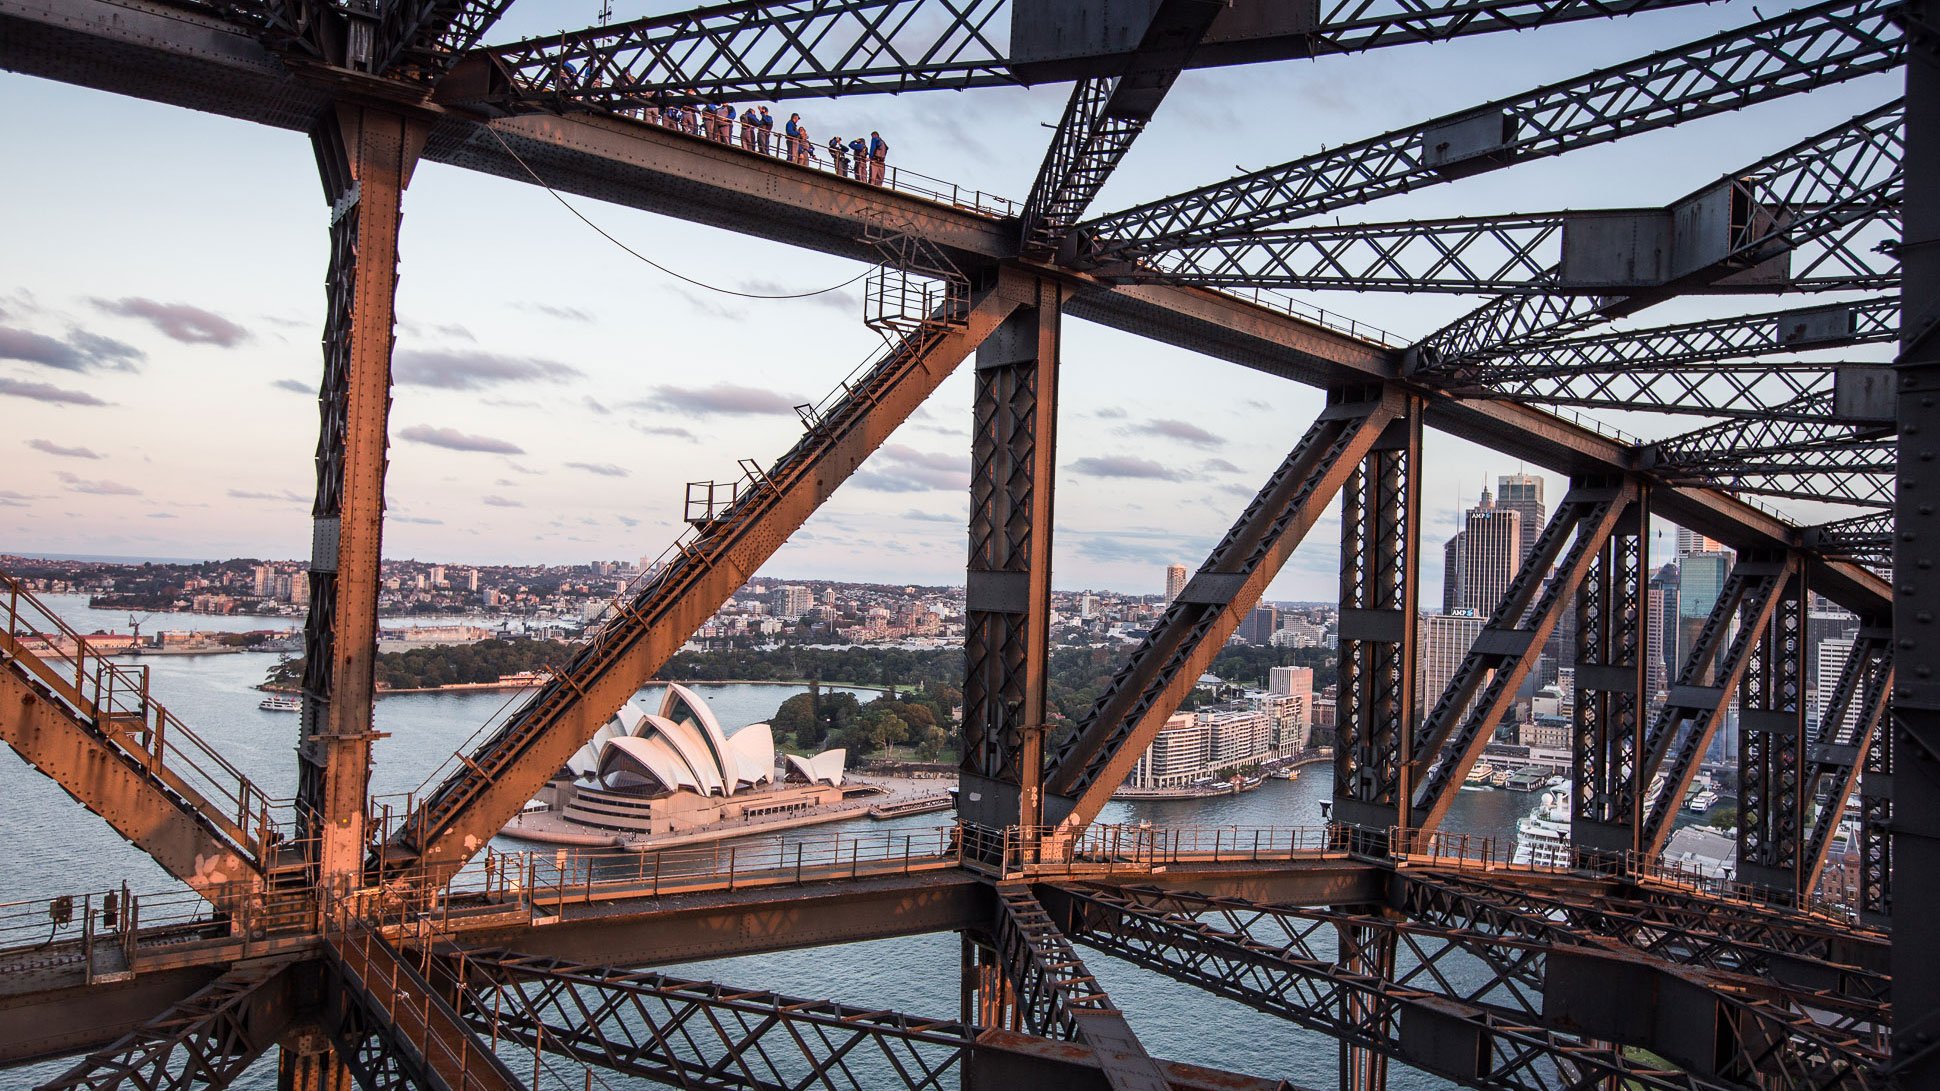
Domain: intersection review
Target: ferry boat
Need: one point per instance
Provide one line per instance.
(1526, 779)
(1478, 778)
(524, 679)
(1501, 778)
(1543, 835)
(1702, 802)
(277, 702)
(1292, 772)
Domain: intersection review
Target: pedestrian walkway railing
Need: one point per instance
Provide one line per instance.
(809, 156)
(413, 1011)
(1131, 848)
(112, 702)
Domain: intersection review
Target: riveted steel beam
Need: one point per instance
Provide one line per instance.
(1007, 587)
(1612, 696)
(1380, 570)
(1839, 749)
(1165, 666)
(1819, 208)
(1702, 691)
(365, 156)
(1792, 52)
(485, 788)
(1484, 685)
(1772, 793)
(205, 1040)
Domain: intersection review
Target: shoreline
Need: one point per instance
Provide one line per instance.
(486, 687)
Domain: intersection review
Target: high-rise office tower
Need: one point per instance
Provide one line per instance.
(1833, 654)
(1700, 580)
(1175, 581)
(1523, 494)
(1440, 644)
(1663, 627)
(1692, 542)
(1258, 626)
(1452, 573)
(1487, 555)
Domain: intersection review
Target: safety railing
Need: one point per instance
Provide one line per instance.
(1128, 848)
(808, 156)
(113, 701)
(414, 1011)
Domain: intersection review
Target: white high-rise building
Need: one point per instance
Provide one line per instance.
(1440, 643)
(1833, 654)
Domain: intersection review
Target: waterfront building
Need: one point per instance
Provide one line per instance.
(1196, 746)
(675, 772)
(1175, 581)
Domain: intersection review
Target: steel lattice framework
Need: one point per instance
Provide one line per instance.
(370, 953)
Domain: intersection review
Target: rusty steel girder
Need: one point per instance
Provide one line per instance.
(485, 788)
(365, 156)
(1007, 586)
(1165, 666)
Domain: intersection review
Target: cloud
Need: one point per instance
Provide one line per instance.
(1218, 466)
(44, 392)
(837, 300)
(664, 430)
(501, 502)
(162, 515)
(897, 468)
(726, 399)
(294, 386)
(453, 440)
(454, 370)
(711, 303)
(179, 321)
(1110, 412)
(568, 314)
(627, 521)
(931, 517)
(96, 488)
(604, 469)
(597, 406)
(1125, 466)
(284, 497)
(1184, 431)
(50, 447)
(415, 519)
(522, 469)
(82, 351)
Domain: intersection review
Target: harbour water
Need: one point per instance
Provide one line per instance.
(58, 848)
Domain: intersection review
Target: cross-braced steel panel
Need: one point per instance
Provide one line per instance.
(1607, 721)
(1375, 691)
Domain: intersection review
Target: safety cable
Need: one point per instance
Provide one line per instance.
(677, 276)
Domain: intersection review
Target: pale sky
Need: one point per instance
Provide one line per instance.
(161, 302)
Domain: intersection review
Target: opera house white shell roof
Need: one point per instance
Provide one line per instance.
(682, 747)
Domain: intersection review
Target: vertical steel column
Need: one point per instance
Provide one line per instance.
(365, 158)
(1771, 747)
(307, 1062)
(1007, 587)
(1365, 950)
(1912, 781)
(1876, 833)
(1375, 696)
(1612, 641)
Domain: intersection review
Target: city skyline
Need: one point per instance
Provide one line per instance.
(561, 419)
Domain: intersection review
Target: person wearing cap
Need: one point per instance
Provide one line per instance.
(767, 133)
(859, 151)
(878, 153)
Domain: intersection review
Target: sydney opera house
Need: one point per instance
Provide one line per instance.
(672, 772)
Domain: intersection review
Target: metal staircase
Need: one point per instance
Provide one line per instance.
(92, 725)
(732, 530)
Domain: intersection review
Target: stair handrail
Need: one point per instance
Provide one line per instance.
(113, 700)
